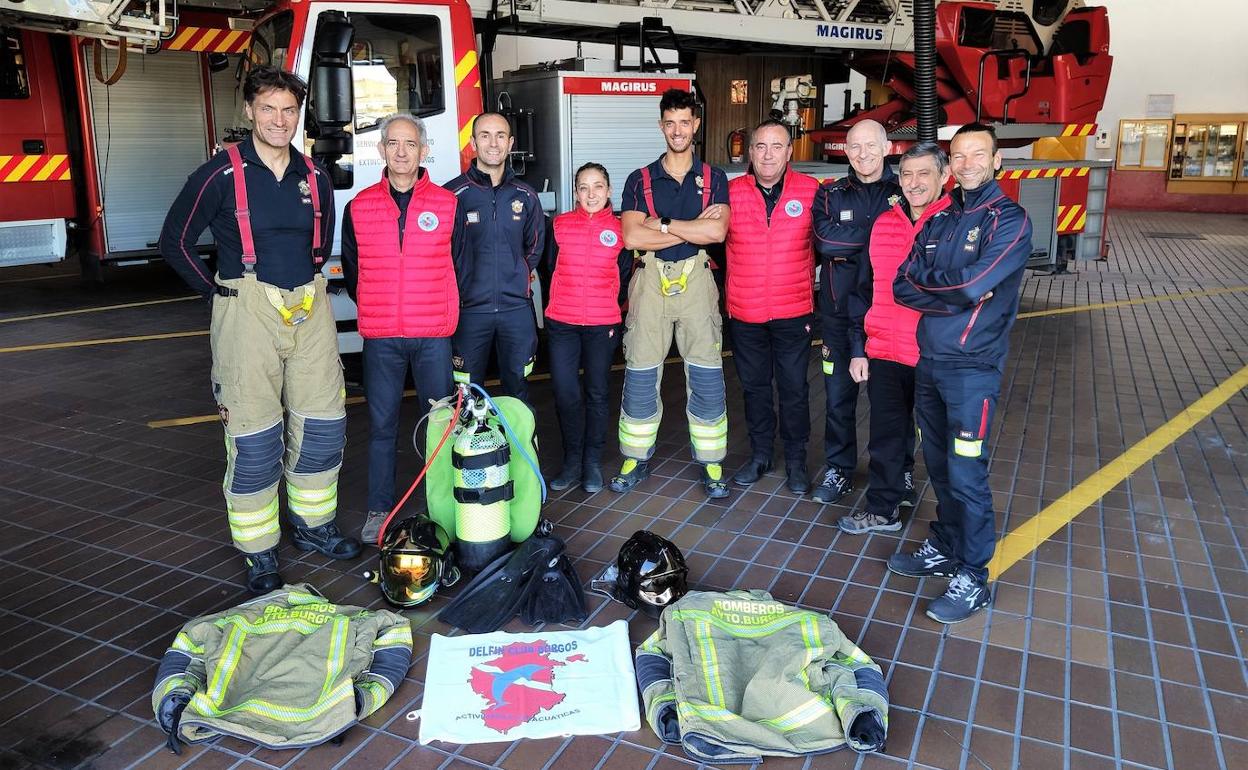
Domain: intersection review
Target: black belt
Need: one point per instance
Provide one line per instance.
(224, 291)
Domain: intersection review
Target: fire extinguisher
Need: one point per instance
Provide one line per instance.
(736, 146)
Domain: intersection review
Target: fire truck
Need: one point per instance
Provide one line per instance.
(108, 105)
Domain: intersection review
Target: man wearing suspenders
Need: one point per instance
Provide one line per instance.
(276, 375)
(672, 209)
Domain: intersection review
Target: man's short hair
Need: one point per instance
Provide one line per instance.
(498, 115)
(266, 77)
(678, 99)
(978, 128)
(770, 123)
(926, 150)
(402, 117)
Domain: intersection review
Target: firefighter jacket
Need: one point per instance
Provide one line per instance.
(284, 670)
(845, 211)
(888, 330)
(979, 244)
(504, 231)
(406, 278)
(585, 285)
(771, 258)
(735, 676)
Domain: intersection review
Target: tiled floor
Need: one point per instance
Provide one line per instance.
(1119, 642)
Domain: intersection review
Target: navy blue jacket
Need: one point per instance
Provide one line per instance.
(844, 213)
(504, 233)
(281, 221)
(979, 244)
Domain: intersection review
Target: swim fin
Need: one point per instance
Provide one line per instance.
(556, 595)
(496, 593)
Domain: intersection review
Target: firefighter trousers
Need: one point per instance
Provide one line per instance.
(692, 318)
(280, 393)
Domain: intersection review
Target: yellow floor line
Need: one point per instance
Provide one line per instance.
(1126, 302)
(1024, 539)
(109, 341)
(97, 309)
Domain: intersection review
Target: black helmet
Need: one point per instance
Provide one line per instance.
(652, 573)
(415, 561)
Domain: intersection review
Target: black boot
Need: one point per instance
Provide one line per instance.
(569, 476)
(795, 477)
(752, 471)
(591, 478)
(262, 574)
(326, 539)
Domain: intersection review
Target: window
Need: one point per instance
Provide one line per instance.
(396, 66)
(1142, 145)
(271, 40)
(14, 82)
(1205, 151)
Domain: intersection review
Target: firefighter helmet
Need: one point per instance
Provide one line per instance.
(415, 561)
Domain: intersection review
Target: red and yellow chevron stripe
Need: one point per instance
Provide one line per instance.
(466, 67)
(209, 40)
(1071, 219)
(34, 168)
(1079, 129)
(1037, 173)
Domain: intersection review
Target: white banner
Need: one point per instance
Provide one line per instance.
(482, 688)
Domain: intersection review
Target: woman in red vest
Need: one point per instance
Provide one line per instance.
(589, 264)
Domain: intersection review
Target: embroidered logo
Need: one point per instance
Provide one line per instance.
(972, 235)
(698, 181)
(893, 200)
(517, 206)
(473, 217)
(847, 215)
(608, 238)
(304, 187)
(793, 208)
(428, 221)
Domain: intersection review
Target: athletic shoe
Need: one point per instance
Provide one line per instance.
(862, 522)
(835, 485)
(372, 526)
(965, 596)
(911, 496)
(927, 561)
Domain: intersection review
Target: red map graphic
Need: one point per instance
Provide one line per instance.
(517, 685)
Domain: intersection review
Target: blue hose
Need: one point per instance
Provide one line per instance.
(515, 440)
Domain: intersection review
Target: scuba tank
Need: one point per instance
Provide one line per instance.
(483, 490)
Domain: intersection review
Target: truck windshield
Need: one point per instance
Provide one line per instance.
(396, 66)
(271, 40)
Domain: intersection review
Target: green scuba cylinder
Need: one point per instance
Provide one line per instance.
(483, 490)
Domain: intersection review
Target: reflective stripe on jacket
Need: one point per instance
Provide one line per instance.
(406, 290)
(771, 264)
(585, 288)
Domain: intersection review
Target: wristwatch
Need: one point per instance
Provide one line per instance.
(664, 223)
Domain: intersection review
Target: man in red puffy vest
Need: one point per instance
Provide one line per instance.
(886, 332)
(771, 268)
(401, 242)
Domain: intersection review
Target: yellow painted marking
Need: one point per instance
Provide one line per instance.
(1083, 171)
(1128, 302)
(21, 168)
(53, 162)
(230, 40)
(63, 177)
(182, 37)
(205, 42)
(1024, 539)
(108, 341)
(1067, 219)
(1083, 219)
(465, 135)
(1069, 130)
(464, 66)
(97, 309)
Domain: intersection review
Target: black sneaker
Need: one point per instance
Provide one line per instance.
(569, 476)
(713, 481)
(795, 478)
(631, 474)
(591, 478)
(327, 540)
(835, 485)
(862, 522)
(262, 574)
(927, 561)
(965, 596)
(911, 496)
(752, 471)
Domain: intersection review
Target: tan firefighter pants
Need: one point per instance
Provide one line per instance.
(692, 318)
(280, 393)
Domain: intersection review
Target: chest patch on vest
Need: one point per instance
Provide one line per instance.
(793, 208)
(893, 199)
(847, 215)
(608, 238)
(427, 221)
(472, 217)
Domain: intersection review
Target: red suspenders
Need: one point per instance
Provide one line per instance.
(645, 188)
(243, 214)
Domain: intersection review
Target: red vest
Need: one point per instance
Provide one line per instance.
(408, 291)
(770, 266)
(585, 289)
(890, 327)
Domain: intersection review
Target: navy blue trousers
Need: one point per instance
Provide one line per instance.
(954, 404)
(581, 399)
(890, 386)
(776, 351)
(513, 336)
(386, 361)
(840, 433)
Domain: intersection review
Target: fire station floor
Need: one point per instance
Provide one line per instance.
(1117, 637)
